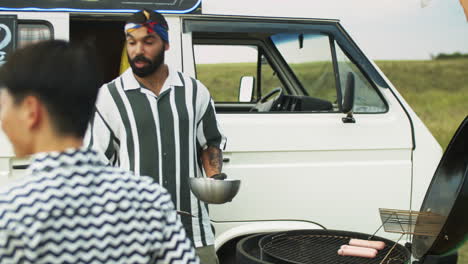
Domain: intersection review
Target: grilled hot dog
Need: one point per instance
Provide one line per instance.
(379, 245)
(357, 252)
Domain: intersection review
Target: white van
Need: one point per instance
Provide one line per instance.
(310, 153)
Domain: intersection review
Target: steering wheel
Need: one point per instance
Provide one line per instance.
(268, 101)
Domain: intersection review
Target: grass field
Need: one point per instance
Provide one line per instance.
(436, 90)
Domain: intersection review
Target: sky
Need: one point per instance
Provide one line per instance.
(384, 29)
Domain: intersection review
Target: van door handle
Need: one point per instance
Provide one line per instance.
(20, 167)
(226, 159)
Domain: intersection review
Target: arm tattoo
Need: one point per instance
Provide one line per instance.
(212, 160)
(216, 158)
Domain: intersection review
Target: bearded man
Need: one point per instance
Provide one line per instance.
(156, 121)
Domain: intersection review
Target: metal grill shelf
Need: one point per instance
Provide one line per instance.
(411, 222)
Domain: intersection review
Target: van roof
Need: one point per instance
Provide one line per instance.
(272, 18)
(100, 6)
(118, 16)
(115, 7)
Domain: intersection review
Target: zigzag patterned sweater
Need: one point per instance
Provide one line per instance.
(74, 209)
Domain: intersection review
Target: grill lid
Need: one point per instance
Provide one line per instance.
(447, 198)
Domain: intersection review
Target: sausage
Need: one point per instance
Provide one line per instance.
(372, 250)
(357, 252)
(379, 245)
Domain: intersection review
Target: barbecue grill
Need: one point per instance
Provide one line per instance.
(301, 246)
(438, 228)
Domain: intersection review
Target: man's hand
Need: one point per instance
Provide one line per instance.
(219, 176)
(212, 160)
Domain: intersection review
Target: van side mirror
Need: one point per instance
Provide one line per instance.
(348, 99)
(246, 88)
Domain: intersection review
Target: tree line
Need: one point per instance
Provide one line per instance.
(455, 55)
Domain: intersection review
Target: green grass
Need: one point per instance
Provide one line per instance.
(436, 90)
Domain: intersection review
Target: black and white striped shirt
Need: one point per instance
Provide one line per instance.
(74, 209)
(160, 136)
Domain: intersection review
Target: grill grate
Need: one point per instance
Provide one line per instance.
(311, 249)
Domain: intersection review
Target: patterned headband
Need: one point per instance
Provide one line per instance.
(152, 26)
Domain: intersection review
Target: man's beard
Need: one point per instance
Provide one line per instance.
(152, 65)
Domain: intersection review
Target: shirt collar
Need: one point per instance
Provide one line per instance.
(130, 82)
(46, 161)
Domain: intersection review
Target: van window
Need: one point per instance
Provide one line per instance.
(269, 77)
(309, 57)
(366, 98)
(30, 33)
(303, 71)
(221, 67)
